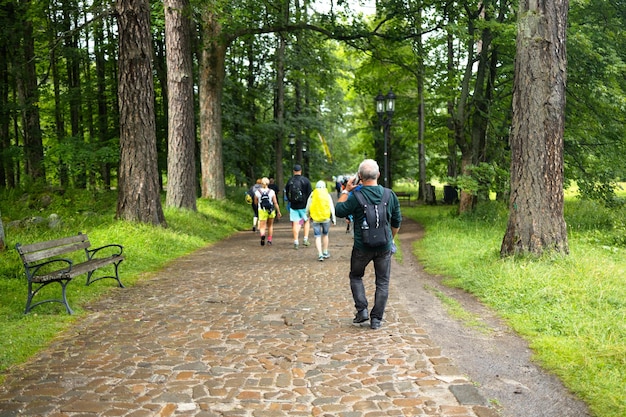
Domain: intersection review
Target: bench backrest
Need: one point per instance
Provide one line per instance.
(50, 248)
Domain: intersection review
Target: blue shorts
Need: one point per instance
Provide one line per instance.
(320, 229)
(298, 215)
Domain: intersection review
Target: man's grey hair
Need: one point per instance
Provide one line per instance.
(368, 170)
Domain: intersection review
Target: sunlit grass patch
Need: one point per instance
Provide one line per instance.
(572, 308)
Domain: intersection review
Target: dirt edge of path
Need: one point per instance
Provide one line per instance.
(498, 361)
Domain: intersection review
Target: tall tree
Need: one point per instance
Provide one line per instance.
(101, 96)
(536, 224)
(6, 162)
(181, 166)
(279, 108)
(138, 196)
(28, 92)
(72, 60)
(2, 237)
(59, 120)
(211, 83)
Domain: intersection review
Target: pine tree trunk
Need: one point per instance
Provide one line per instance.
(2, 236)
(74, 88)
(181, 163)
(279, 110)
(536, 224)
(28, 93)
(212, 74)
(6, 162)
(101, 97)
(139, 193)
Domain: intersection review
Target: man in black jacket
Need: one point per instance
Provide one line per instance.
(297, 190)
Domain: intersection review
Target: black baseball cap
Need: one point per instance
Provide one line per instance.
(297, 167)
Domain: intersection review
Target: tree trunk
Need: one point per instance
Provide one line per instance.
(29, 98)
(59, 120)
(279, 111)
(536, 224)
(211, 83)
(452, 148)
(418, 48)
(138, 196)
(74, 89)
(249, 104)
(181, 163)
(87, 98)
(6, 162)
(2, 237)
(460, 119)
(101, 98)
(159, 61)
(466, 199)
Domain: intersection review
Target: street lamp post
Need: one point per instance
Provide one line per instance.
(292, 143)
(305, 160)
(385, 107)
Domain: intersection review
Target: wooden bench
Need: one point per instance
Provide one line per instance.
(44, 264)
(402, 195)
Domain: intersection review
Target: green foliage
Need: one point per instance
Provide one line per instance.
(147, 248)
(572, 309)
(483, 179)
(596, 94)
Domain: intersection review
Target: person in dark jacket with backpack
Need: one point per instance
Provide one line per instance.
(297, 190)
(255, 207)
(385, 203)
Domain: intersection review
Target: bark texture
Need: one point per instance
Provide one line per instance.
(212, 73)
(181, 163)
(536, 224)
(139, 191)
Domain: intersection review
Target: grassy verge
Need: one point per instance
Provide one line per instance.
(572, 308)
(146, 248)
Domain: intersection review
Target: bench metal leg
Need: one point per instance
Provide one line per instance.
(91, 279)
(31, 294)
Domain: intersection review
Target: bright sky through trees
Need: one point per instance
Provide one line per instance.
(367, 7)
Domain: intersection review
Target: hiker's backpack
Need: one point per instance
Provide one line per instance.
(375, 230)
(265, 202)
(320, 205)
(296, 195)
(251, 192)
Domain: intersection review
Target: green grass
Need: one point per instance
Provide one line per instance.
(572, 309)
(147, 249)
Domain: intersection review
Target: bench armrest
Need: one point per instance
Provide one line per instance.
(32, 270)
(117, 251)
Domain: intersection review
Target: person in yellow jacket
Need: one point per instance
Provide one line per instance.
(321, 209)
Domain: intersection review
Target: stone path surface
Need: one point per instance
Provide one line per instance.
(237, 329)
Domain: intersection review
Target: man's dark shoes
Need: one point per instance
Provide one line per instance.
(375, 324)
(361, 316)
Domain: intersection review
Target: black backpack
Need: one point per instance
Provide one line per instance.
(265, 202)
(296, 195)
(375, 230)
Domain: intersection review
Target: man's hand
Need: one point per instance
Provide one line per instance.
(352, 183)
